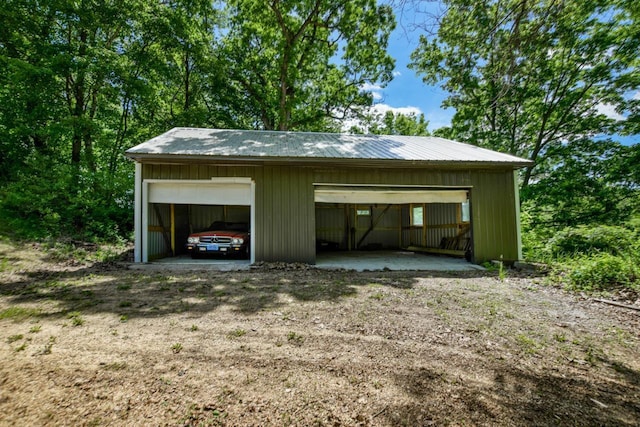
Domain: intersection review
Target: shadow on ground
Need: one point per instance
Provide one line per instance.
(112, 287)
(556, 397)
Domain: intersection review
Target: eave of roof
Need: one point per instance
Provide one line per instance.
(181, 145)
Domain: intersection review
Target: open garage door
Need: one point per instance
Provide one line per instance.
(425, 219)
(173, 208)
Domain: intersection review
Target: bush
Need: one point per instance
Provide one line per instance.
(601, 272)
(585, 240)
(57, 202)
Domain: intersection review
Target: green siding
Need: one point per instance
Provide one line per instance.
(285, 207)
(493, 201)
(494, 216)
(285, 215)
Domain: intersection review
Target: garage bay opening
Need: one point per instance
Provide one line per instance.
(359, 218)
(173, 226)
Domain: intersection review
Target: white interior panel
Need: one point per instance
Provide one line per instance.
(388, 196)
(205, 193)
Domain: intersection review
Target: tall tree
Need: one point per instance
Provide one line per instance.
(298, 64)
(527, 77)
(391, 123)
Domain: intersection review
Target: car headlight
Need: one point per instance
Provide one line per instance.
(193, 240)
(237, 241)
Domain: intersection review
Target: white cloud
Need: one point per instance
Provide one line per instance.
(397, 74)
(368, 87)
(375, 90)
(383, 108)
(609, 110)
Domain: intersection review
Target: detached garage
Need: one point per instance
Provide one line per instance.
(306, 192)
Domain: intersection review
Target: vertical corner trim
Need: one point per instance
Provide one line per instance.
(137, 214)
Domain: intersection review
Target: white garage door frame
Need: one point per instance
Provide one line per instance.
(215, 191)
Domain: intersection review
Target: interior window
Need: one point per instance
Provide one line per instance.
(417, 216)
(465, 212)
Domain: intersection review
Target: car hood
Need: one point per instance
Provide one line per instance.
(223, 233)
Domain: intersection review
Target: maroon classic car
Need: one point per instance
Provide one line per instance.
(221, 238)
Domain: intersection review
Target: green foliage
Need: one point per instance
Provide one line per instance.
(14, 338)
(299, 65)
(594, 183)
(528, 78)
(392, 124)
(84, 80)
(18, 313)
(589, 258)
(603, 271)
(50, 202)
(588, 240)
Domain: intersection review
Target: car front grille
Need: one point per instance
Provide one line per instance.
(215, 239)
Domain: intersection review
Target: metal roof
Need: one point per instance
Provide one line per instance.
(187, 143)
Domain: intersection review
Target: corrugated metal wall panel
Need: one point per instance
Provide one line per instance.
(385, 232)
(437, 216)
(201, 216)
(331, 223)
(461, 178)
(285, 208)
(157, 246)
(285, 215)
(494, 216)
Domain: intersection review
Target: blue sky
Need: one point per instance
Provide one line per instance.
(407, 93)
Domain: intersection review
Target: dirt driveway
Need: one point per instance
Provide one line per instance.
(104, 345)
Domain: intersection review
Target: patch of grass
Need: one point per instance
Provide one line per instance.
(560, 337)
(14, 338)
(237, 333)
(49, 345)
(193, 328)
(377, 296)
(4, 264)
(123, 287)
(125, 304)
(21, 347)
(18, 313)
(502, 273)
(528, 344)
(124, 318)
(621, 336)
(35, 329)
(176, 348)
(295, 338)
(76, 318)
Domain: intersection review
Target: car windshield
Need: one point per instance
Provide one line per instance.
(229, 226)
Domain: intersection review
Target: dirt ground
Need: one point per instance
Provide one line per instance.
(100, 344)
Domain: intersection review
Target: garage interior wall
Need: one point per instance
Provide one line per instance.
(348, 225)
(187, 219)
